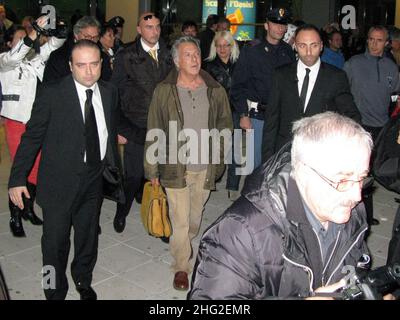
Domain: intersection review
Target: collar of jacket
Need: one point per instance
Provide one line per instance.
(139, 52)
(270, 181)
(302, 233)
(172, 78)
(219, 62)
(370, 56)
(272, 47)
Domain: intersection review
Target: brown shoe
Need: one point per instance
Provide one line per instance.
(181, 281)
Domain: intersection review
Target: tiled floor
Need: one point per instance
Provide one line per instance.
(131, 265)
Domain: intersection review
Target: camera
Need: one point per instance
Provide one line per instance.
(374, 284)
(61, 30)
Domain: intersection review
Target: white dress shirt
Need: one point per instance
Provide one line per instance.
(147, 48)
(301, 73)
(99, 114)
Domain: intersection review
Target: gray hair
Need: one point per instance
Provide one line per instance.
(84, 22)
(379, 28)
(309, 134)
(226, 35)
(178, 42)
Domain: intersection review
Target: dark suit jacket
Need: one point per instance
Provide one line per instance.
(57, 127)
(331, 92)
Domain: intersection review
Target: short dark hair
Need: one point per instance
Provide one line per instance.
(379, 28)
(105, 27)
(212, 19)
(188, 23)
(307, 27)
(331, 34)
(84, 43)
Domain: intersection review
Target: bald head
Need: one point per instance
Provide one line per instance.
(146, 16)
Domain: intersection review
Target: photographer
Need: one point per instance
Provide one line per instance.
(20, 69)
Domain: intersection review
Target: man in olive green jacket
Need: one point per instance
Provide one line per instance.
(184, 151)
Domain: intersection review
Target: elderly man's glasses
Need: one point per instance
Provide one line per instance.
(344, 185)
(90, 37)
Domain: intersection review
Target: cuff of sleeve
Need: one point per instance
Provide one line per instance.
(28, 41)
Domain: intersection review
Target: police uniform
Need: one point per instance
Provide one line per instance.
(117, 22)
(251, 81)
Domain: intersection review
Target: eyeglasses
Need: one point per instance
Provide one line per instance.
(89, 37)
(344, 185)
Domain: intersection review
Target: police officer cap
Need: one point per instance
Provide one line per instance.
(116, 21)
(278, 15)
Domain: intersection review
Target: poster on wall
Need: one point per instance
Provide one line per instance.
(238, 12)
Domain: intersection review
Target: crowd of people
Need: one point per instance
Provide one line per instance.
(313, 112)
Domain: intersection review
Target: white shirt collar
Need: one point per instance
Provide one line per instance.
(315, 67)
(301, 73)
(146, 47)
(82, 88)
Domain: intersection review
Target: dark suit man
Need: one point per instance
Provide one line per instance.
(302, 89)
(137, 70)
(74, 123)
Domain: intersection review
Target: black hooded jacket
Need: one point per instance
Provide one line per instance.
(264, 247)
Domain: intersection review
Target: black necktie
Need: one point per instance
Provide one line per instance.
(91, 133)
(304, 88)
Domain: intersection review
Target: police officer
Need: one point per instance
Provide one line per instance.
(251, 81)
(118, 24)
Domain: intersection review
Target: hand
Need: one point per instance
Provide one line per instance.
(122, 140)
(16, 195)
(41, 22)
(245, 123)
(155, 182)
(328, 289)
(389, 296)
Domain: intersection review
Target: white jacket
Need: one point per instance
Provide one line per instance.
(19, 76)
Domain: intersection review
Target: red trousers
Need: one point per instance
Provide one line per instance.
(14, 131)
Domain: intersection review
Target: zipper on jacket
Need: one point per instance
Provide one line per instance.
(377, 69)
(347, 252)
(305, 268)
(330, 258)
(319, 243)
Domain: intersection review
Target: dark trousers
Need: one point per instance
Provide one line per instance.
(3, 288)
(368, 192)
(133, 176)
(83, 216)
(233, 180)
(394, 244)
